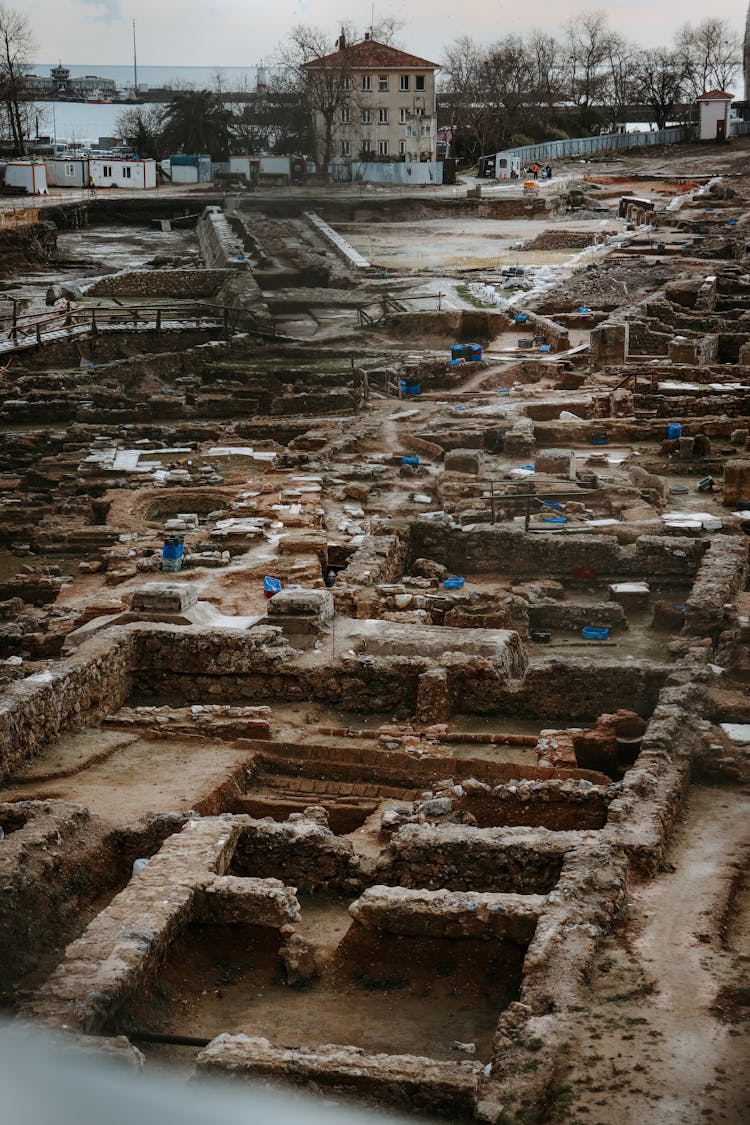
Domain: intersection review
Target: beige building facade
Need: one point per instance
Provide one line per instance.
(385, 106)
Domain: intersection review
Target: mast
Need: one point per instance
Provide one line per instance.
(135, 66)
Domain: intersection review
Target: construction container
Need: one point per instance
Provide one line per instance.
(674, 431)
(594, 633)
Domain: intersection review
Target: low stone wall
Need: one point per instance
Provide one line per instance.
(80, 690)
(498, 860)
(508, 550)
(301, 852)
(722, 575)
(420, 1084)
(449, 914)
(40, 860)
(160, 283)
(122, 948)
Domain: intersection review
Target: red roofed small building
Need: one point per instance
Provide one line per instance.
(713, 122)
(371, 101)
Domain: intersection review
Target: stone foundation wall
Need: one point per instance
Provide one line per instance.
(81, 690)
(722, 575)
(522, 861)
(301, 852)
(419, 1084)
(160, 283)
(449, 914)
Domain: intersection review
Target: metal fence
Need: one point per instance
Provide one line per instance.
(580, 146)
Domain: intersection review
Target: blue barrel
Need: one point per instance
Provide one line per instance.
(594, 633)
(583, 310)
(457, 351)
(456, 362)
(413, 461)
(414, 388)
(475, 353)
(520, 318)
(674, 431)
(174, 546)
(545, 347)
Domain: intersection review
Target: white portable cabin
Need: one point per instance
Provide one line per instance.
(119, 171)
(713, 107)
(253, 167)
(507, 167)
(69, 171)
(189, 169)
(31, 175)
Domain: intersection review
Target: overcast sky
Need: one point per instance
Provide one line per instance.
(242, 32)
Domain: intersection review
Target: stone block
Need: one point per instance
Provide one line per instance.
(736, 482)
(314, 604)
(556, 462)
(233, 901)
(164, 597)
(609, 344)
(631, 595)
(469, 461)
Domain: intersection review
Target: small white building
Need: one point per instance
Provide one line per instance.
(31, 175)
(189, 169)
(256, 167)
(713, 108)
(123, 172)
(68, 171)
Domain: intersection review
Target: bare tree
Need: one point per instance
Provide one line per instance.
(324, 73)
(710, 53)
(593, 48)
(659, 77)
(16, 46)
(549, 66)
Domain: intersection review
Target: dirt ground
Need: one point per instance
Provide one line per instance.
(666, 1036)
(380, 992)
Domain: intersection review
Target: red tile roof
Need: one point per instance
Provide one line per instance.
(369, 55)
(715, 95)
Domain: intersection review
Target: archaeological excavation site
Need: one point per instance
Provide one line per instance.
(374, 633)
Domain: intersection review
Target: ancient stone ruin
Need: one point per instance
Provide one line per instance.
(373, 640)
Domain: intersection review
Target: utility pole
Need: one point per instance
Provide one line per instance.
(135, 66)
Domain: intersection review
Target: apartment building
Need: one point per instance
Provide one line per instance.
(371, 101)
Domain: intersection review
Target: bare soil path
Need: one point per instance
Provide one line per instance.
(666, 1038)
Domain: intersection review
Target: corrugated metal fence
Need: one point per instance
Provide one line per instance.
(579, 146)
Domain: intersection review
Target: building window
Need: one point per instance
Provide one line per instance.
(366, 116)
(366, 145)
(345, 150)
(347, 84)
(107, 171)
(70, 169)
(383, 83)
(402, 148)
(403, 82)
(426, 130)
(127, 173)
(344, 116)
(366, 82)
(402, 116)
(383, 148)
(419, 82)
(382, 117)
